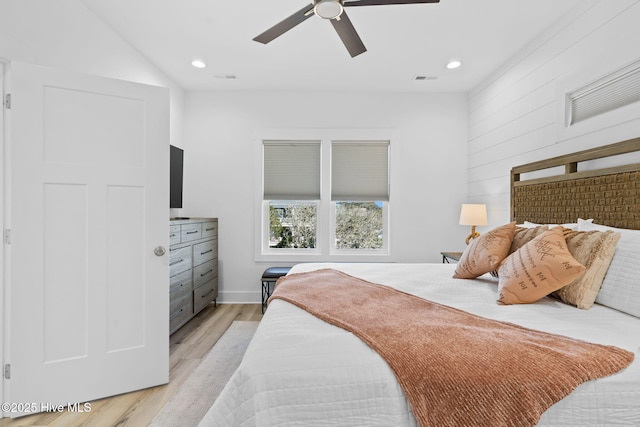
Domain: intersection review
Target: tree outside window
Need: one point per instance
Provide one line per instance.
(292, 224)
(358, 225)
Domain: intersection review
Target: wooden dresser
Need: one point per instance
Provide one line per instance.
(193, 267)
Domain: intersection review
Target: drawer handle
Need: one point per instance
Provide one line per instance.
(176, 262)
(208, 293)
(209, 229)
(192, 232)
(176, 314)
(206, 252)
(204, 274)
(172, 235)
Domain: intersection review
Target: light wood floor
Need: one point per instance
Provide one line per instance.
(188, 346)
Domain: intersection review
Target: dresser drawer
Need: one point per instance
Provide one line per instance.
(174, 234)
(190, 232)
(209, 229)
(204, 273)
(180, 302)
(204, 294)
(181, 311)
(204, 251)
(180, 283)
(179, 260)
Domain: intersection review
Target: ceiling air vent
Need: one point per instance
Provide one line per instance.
(421, 78)
(612, 91)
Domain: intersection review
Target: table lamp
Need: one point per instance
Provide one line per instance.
(473, 215)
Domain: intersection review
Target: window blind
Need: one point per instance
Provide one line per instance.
(291, 170)
(360, 171)
(608, 93)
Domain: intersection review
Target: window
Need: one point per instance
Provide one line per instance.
(359, 191)
(613, 91)
(324, 199)
(291, 191)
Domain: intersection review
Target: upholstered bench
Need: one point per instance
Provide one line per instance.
(269, 278)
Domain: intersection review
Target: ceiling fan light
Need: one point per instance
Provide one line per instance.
(328, 9)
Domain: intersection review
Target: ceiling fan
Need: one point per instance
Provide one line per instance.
(332, 10)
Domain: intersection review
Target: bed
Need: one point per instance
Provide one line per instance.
(302, 371)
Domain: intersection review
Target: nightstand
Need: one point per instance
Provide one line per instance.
(448, 257)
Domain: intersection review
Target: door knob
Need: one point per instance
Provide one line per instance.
(159, 251)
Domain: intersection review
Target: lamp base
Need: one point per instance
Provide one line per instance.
(474, 235)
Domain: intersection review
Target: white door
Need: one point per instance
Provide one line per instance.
(88, 299)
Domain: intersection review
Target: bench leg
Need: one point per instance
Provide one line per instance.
(265, 294)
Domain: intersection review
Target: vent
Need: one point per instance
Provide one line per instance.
(615, 90)
(420, 78)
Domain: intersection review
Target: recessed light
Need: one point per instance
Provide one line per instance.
(454, 64)
(198, 63)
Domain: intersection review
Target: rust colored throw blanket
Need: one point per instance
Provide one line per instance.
(455, 368)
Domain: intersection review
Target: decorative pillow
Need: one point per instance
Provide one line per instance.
(525, 234)
(485, 253)
(541, 266)
(621, 286)
(522, 236)
(594, 250)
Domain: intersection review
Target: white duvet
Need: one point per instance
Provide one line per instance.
(301, 371)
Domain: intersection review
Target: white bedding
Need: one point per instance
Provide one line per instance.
(301, 371)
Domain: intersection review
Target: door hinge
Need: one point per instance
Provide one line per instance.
(7, 101)
(7, 236)
(7, 371)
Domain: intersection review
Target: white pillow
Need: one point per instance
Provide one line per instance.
(570, 225)
(621, 285)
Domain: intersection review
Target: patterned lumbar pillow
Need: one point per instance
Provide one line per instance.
(539, 267)
(486, 252)
(594, 250)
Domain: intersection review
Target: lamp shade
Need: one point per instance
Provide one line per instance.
(473, 214)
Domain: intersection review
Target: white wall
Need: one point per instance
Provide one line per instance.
(64, 34)
(515, 116)
(427, 187)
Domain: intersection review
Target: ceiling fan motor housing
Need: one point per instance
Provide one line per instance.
(328, 9)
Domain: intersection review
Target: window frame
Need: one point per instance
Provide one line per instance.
(325, 250)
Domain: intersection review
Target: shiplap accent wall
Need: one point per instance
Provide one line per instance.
(516, 115)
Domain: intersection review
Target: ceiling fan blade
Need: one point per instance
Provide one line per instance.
(349, 3)
(285, 25)
(348, 35)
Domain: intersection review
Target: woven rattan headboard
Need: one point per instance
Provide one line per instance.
(611, 196)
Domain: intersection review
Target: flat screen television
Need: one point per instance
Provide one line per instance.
(176, 164)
